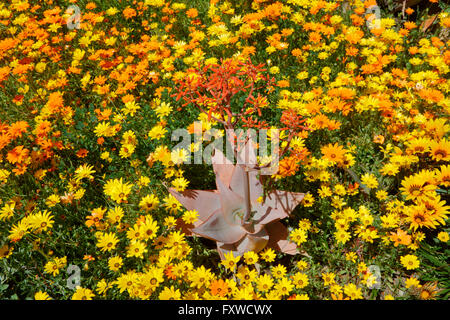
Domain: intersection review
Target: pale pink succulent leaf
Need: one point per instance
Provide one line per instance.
(247, 154)
(264, 214)
(278, 235)
(277, 205)
(224, 249)
(222, 166)
(205, 202)
(218, 229)
(252, 227)
(253, 242)
(232, 204)
(285, 199)
(237, 183)
(287, 246)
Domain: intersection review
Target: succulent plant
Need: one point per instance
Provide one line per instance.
(237, 215)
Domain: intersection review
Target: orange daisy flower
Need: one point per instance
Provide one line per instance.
(17, 155)
(334, 152)
(219, 288)
(82, 153)
(129, 13)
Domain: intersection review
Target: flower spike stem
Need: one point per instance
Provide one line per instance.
(248, 208)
